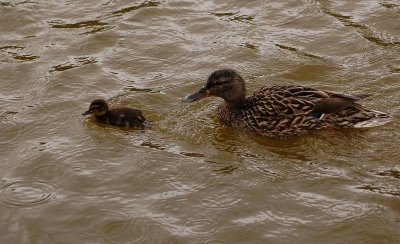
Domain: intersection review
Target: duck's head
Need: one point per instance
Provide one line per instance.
(98, 107)
(223, 83)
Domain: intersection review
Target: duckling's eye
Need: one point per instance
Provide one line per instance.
(225, 79)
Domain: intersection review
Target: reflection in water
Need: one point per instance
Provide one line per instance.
(17, 54)
(90, 23)
(133, 8)
(302, 53)
(391, 173)
(380, 189)
(91, 26)
(76, 63)
(235, 17)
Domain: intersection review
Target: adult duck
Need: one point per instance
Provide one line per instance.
(284, 111)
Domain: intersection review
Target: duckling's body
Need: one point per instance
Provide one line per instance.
(285, 111)
(123, 117)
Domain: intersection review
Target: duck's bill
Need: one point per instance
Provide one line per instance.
(200, 94)
(86, 113)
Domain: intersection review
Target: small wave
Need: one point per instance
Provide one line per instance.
(115, 226)
(125, 10)
(219, 196)
(75, 63)
(48, 172)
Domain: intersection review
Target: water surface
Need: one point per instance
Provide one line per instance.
(188, 179)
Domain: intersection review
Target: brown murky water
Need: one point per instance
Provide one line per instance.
(187, 179)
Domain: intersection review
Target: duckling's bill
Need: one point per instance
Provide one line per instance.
(200, 94)
(86, 113)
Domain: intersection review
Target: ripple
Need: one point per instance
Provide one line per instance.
(334, 209)
(26, 194)
(16, 3)
(255, 175)
(214, 242)
(219, 196)
(264, 216)
(115, 226)
(48, 172)
(200, 227)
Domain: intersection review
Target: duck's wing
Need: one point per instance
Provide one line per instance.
(282, 101)
(301, 100)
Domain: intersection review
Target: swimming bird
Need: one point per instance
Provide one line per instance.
(123, 117)
(285, 111)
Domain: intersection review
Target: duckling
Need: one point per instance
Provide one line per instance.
(281, 112)
(123, 117)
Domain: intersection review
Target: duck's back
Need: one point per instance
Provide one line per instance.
(271, 118)
(272, 112)
(287, 111)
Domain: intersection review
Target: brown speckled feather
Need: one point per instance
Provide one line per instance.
(272, 112)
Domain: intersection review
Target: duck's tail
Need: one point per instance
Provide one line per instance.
(356, 116)
(377, 119)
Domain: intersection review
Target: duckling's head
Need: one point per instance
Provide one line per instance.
(98, 107)
(223, 83)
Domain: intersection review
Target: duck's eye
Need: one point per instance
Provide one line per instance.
(222, 82)
(218, 82)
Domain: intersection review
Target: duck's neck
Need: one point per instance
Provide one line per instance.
(234, 104)
(228, 111)
(102, 118)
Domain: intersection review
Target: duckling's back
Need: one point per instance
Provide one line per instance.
(123, 117)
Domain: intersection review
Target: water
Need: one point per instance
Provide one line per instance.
(188, 179)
